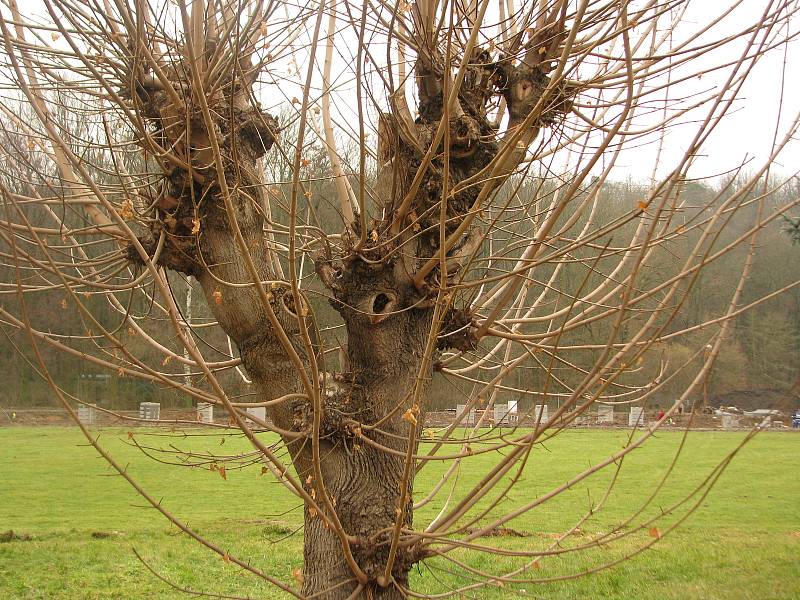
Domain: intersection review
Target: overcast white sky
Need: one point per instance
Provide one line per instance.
(746, 133)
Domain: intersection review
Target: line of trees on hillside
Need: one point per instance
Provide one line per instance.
(761, 356)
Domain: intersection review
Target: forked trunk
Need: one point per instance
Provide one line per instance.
(389, 280)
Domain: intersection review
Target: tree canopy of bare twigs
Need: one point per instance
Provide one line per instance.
(372, 197)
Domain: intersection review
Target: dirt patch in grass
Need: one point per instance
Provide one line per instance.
(502, 532)
(13, 536)
(101, 535)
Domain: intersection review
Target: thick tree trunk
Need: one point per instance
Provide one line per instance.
(366, 481)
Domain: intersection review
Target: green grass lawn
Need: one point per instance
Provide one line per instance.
(743, 542)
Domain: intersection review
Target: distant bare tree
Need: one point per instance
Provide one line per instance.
(470, 240)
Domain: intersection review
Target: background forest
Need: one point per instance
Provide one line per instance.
(758, 367)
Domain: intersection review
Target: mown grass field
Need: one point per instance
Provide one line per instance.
(743, 542)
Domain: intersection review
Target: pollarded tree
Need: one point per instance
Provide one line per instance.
(472, 243)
